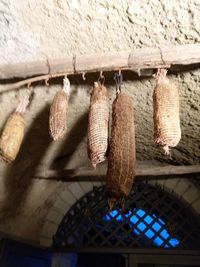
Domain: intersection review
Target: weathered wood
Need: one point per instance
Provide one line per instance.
(142, 173)
(142, 58)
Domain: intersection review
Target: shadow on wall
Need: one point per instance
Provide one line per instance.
(17, 178)
(74, 138)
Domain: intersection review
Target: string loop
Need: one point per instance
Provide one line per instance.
(118, 80)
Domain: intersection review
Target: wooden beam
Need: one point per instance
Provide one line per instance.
(137, 59)
(142, 173)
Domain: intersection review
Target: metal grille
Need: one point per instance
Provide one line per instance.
(153, 218)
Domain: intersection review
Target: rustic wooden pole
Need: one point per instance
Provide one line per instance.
(137, 59)
(142, 173)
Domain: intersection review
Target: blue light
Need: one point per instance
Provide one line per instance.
(174, 242)
(161, 221)
(141, 226)
(106, 218)
(134, 219)
(113, 213)
(148, 219)
(156, 226)
(164, 234)
(151, 225)
(140, 213)
(149, 234)
(158, 241)
(136, 231)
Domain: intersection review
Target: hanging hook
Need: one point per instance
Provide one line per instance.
(118, 80)
(83, 76)
(101, 74)
(47, 82)
(29, 86)
(101, 78)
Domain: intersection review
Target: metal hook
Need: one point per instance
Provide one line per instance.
(83, 76)
(29, 86)
(101, 74)
(101, 78)
(47, 82)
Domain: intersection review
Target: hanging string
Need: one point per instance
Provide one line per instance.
(66, 85)
(118, 80)
(25, 100)
(23, 104)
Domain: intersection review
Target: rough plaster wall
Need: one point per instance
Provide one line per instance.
(53, 27)
(34, 30)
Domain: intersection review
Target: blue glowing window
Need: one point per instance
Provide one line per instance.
(148, 219)
(136, 231)
(141, 226)
(150, 226)
(134, 219)
(173, 242)
(158, 241)
(156, 226)
(164, 234)
(140, 212)
(149, 233)
(146, 222)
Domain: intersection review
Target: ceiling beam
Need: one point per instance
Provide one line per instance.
(142, 173)
(135, 60)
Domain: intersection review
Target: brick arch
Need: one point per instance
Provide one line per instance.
(181, 187)
(62, 204)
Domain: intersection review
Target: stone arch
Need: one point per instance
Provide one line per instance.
(182, 187)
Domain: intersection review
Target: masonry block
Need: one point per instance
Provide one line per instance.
(182, 186)
(196, 206)
(68, 197)
(61, 205)
(153, 182)
(97, 184)
(76, 190)
(86, 186)
(191, 195)
(45, 242)
(171, 184)
(54, 216)
(49, 229)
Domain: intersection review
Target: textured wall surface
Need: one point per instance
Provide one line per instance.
(34, 30)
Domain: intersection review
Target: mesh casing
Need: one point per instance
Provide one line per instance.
(167, 131)
(98, 124)
(122, 155)
(12, 136)
(58, 115)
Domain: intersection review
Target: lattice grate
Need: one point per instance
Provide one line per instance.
(153, 218)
